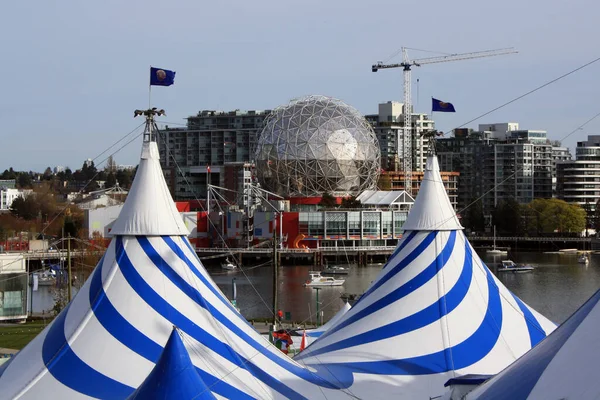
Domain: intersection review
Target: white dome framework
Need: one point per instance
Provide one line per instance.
(316, 145)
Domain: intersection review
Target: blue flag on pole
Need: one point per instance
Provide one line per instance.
(161, 77)
(440, 106)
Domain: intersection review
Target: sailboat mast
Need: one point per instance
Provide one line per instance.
(275, 278)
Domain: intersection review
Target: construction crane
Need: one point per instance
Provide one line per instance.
(407, 65)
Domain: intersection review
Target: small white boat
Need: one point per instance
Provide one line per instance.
(336, 270)
(583, 259)
(494, 249)
(228, 265)
(511, 266)
(568, 251)
(317, 280)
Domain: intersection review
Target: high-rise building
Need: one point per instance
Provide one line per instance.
(558, 154)
(498, 162)
(388, 125)
(193, 155)
(215, 138)
(578, 181)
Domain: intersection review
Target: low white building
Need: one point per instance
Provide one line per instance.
(8, 195)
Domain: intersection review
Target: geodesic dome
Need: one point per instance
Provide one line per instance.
(316, 145)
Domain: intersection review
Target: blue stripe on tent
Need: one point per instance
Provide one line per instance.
(179, 252)
(403, 263)
(415, 321)
(406, 240)
(464, 354)
(71, 371)
(536, 332)
(517, 381)
(400, 292)
(108, 316)
(194, 295)
(161, 306)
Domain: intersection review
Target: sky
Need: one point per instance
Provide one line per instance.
(72, 72)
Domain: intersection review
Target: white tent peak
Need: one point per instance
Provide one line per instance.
(149, 209)
(432, 210)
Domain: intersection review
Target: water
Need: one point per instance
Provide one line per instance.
(556, 288)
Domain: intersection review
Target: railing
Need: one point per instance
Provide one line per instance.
(528, 239)
(269, 250)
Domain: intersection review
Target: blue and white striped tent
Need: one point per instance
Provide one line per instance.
(109, 338)
(562, 366)
(435, 312)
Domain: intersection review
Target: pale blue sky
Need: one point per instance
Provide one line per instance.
(74, 71)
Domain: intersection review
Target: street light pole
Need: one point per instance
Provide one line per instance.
(69, 267)
(317, 289)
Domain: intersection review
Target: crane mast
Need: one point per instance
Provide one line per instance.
(406, 149)
(406, 130)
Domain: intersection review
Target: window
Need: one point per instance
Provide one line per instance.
(371, 225)
(336, 224)
(354, 224)
(386, 222)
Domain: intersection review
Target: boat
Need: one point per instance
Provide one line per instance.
(494, 249)
(315, 279)
(567, 251)
(336, 270)
(511, 266)
(228, 265)
(583, 259)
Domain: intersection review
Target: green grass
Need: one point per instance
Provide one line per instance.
(18, 335)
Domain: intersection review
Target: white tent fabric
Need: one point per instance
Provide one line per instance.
(435, 312)
(432, 210)
(150, 209)
(562, 366)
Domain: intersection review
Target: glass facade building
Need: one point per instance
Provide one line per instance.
(362, 227)
(13, 287)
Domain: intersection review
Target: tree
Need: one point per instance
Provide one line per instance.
(351, 202)
(124, 178)
(48, 174)
(328, 201)
(384, 182)
(548, 216)
(89, 170)
(507, 218)
(25, 207)
(111, 180)
(111, 165)
(70, 227)
(24, 180)
(9, 174)
(473, 218)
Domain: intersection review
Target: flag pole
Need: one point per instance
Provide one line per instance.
(150, 89)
